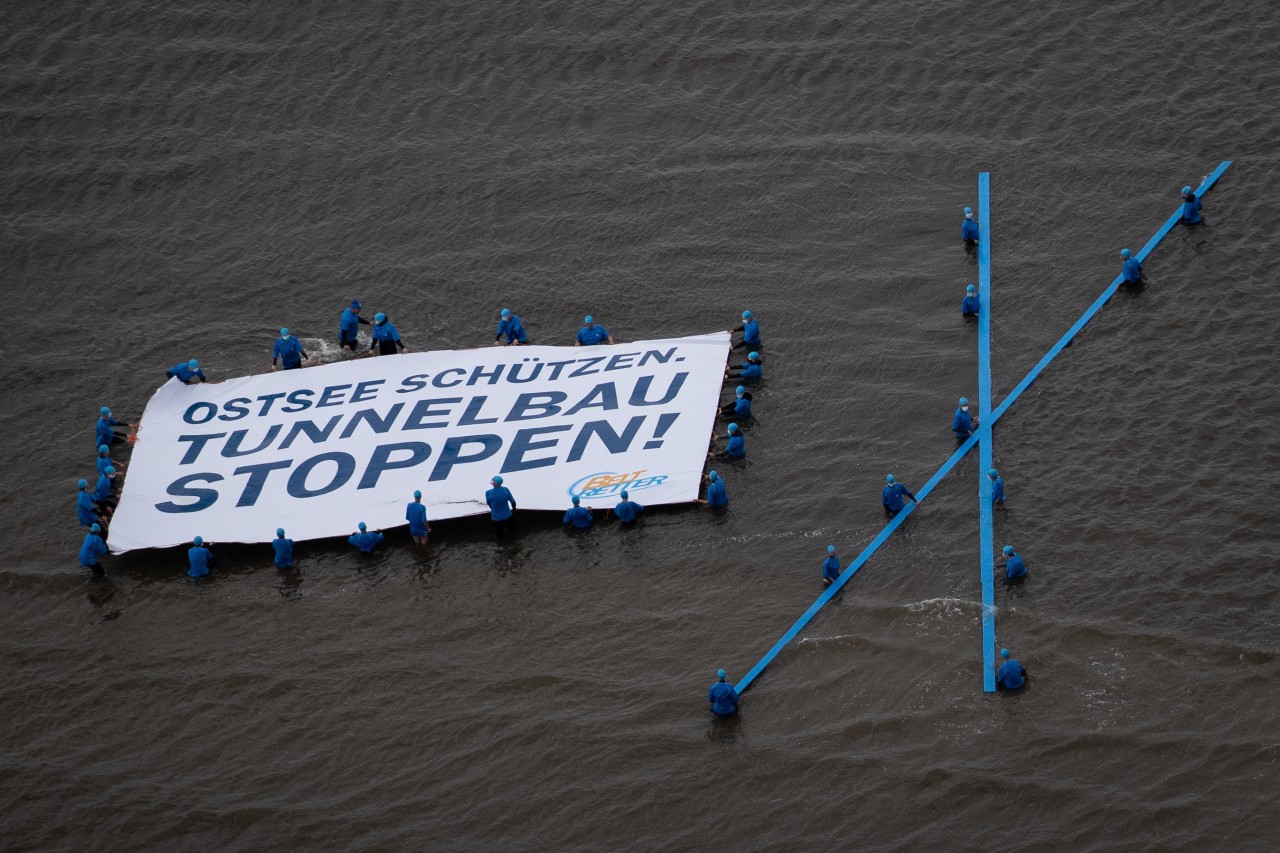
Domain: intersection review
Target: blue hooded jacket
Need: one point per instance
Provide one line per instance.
(86, 512)
(92, 549)
(183, 373)
(1015, 568)
(751, 332)
(723, 698)
(717, 494)
(997, 490)
(501, 503)
(590, 336)
(737, 446)
(578, 516)
(512, 328)
(831, 567)
(198, 557)
(962, 424)
(366, 541)
(1132, 271)
(626, 510)
(969, 230)
(1190, 209)
(416, 515)
(104, 432)
(289, 351)
(969, 306)
(892, 494)
(1011, 675)
(102, 491)
(284, 552)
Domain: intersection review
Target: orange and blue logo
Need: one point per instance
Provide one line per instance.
(608, 483)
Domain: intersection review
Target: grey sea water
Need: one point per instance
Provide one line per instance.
(182, 179)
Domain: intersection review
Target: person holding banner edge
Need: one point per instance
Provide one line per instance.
(502, 505)
(416, 515)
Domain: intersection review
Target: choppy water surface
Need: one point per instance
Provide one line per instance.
(184, 179)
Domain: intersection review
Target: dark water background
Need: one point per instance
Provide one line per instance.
(182, 179)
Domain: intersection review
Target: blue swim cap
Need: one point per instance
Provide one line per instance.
(82, 484)
(497, 481)
(888, 478)
(102, 448)
(753, 356)
(355, 303)
(1125, 253)
(964, 401)
(1186, 190)
(720, 674)
(740, 390)
(746, 315)
(284, 332)
(1008, 549)
(576, 500)
(624, 494)
(193, 364)
(379, 317)
(109, 470)
(1004, 653)
(993, 473)
(199, 540)
(970, 289)
(104, 411)
(733, 427)
(968, 210)
(97, 528)
(588, 319)
(363, 526)
(506, 312)
(280, 532)
(831, 549)
(417, 494)
(712, 476)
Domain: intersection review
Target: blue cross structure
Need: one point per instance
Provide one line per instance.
(983, 433)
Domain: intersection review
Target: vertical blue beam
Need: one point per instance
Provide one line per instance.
(986, 536)
(983, 433)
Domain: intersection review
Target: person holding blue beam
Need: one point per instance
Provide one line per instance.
(1011, 674)
(969, 306)
(963, 424)
(1132, 271)
(969, 230)
(997, 488)
(892, 494)
(1190, 207)
(830, 566)
(722, 697)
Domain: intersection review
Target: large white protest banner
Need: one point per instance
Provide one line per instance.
(318, 450)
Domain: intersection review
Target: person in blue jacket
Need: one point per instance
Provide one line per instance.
(750, 329)
(1014, 568)
(735, 449)
(502, 505)
(717, 494)
(86, 509)
(739, 407)
(722, 697)
(199, 558)
(416, 514)
(93, 548)
(626, 509)
(1190, 207)
(962, 423)
(284, 550)
(349, 326)
(578, 516)
(969, 229)
(104, 430)
(386, 340)
(509, 324)
(830, 566)
(997, 488)
(289, 351)
(1010, 675)
(891, 496)
(970, 306)
(592, 335)
(102, 491)
(1132, 271)
(188, 372)
(104, 459)
(752, 368)
(364, 540)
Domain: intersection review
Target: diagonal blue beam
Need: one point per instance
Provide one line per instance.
(986, 535)
(984, 430)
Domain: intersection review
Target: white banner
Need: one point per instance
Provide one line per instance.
(318, 450)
